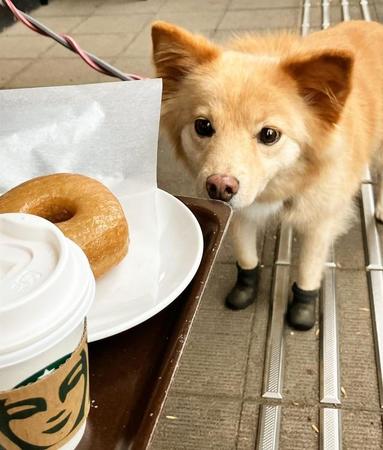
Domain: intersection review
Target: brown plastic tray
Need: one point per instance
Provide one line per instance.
(131, 372)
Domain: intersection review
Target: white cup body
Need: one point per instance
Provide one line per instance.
(14, 374)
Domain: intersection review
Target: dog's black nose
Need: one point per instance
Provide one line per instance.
(222, 187)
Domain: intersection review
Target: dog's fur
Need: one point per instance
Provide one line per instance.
(324, 93)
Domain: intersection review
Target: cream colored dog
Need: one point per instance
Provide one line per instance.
(277, 125)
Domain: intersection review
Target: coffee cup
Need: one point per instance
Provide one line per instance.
(46, 290)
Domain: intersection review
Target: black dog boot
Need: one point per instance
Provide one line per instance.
(243, 293)
(301, 310)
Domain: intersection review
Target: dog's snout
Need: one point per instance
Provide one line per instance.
(222, 187)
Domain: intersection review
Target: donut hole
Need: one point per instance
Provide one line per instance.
(59, 215)
(56, 210)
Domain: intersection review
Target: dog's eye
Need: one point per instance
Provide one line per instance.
(203, 127)
(269, 136)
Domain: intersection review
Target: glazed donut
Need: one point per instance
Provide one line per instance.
(84, 210)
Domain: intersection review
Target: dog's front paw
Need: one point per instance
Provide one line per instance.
(379, 212)
(245, 289)
(301, 311)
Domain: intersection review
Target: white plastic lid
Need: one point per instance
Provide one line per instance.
(46, 286)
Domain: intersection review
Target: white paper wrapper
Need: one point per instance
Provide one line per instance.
(106, 131)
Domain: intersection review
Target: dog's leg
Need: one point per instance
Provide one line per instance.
(245, 248)
(314, 250)
(245, 241)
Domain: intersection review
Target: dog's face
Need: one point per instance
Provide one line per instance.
(246, 132)
(244, 122)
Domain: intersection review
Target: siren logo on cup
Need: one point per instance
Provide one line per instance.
(49, 411)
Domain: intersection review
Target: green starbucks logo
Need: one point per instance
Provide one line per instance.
(40, 415)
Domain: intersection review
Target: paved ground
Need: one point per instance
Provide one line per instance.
(215, 399)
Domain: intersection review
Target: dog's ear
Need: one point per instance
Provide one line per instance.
(176, 52)
(324, 81)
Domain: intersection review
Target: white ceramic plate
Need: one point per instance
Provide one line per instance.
(156, 270)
